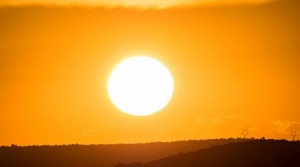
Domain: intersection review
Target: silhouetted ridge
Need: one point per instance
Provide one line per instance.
(258, 153)
(98, 155)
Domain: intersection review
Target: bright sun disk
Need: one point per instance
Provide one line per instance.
(140, 86)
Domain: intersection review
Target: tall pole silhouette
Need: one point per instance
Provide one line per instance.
(245, 133)
(294, 134)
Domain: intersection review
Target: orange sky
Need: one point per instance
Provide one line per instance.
(234, 66)
(140, 3)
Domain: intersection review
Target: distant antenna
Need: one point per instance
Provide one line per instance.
(245, 133)
(294, 134)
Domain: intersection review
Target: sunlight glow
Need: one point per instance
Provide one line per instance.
(140, 86)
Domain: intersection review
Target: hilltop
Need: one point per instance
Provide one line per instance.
(258, 153)
(99, 155)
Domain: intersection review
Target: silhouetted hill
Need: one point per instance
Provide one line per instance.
(257, 153)
(98, 155)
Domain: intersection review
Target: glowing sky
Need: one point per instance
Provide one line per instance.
(234, 67)
(141, 3)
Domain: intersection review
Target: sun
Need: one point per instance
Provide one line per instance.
(140, 86)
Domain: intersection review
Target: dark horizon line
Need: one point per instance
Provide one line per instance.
(152, 142)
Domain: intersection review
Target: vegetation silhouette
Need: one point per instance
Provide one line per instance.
(256, 153)
(99, 155)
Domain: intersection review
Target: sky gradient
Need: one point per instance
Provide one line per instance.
(128, 3)
(234, 67)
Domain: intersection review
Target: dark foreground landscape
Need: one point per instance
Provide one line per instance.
(206, 153)
(259, 153)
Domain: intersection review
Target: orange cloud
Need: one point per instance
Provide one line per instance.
(144, 3)
(281, 127)
(229, 126)
(224, 120)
